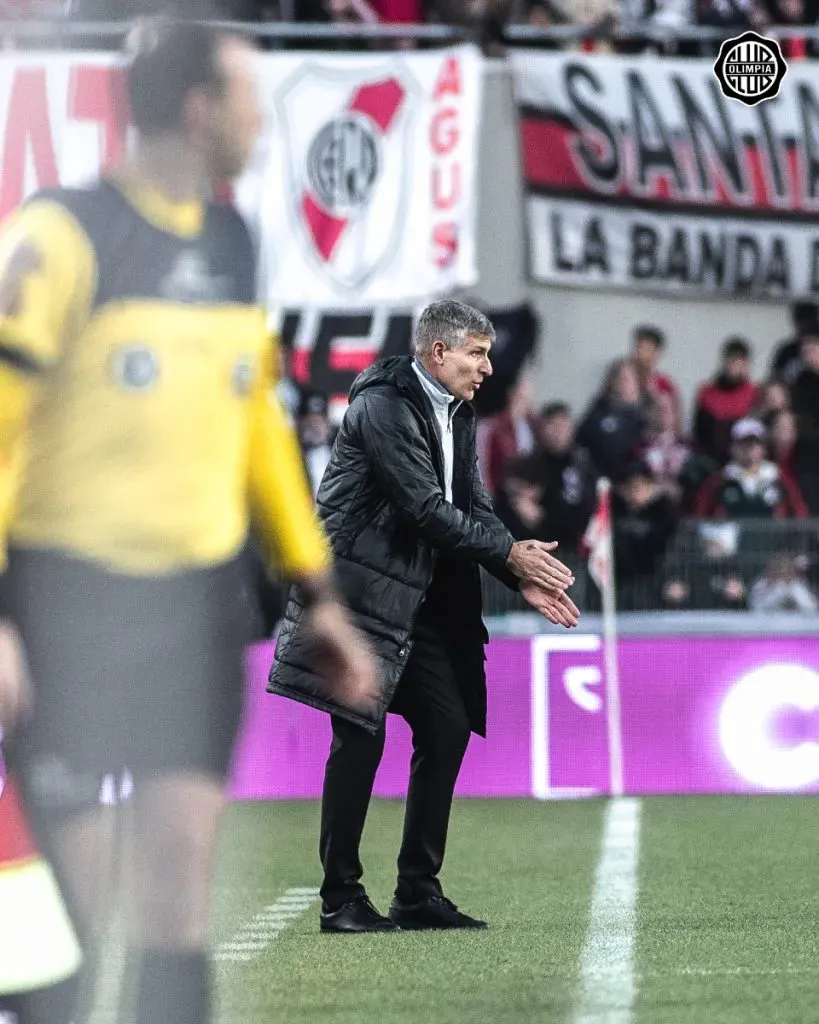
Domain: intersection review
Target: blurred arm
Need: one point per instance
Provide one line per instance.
(281, 502)
(47, 276)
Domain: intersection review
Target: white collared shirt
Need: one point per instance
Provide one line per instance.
(444, 407)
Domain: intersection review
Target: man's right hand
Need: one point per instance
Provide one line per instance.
(16, 694)
(530, 561)
(345, 660)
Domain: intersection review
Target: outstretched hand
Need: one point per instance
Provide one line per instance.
(558, 607)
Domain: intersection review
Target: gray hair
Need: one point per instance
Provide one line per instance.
(452, 323)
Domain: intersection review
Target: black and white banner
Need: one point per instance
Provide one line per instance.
(327, 349)
(641, 175)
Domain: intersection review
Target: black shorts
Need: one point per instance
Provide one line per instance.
(130, 673)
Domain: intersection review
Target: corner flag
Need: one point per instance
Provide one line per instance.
(598, 546)
(597, 543)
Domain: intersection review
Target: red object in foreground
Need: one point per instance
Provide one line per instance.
(16, 841)
(38, 946)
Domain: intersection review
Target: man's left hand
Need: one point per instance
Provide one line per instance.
(558, 608)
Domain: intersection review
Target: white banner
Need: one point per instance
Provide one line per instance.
(580, 243)
(362, 190)
(366, 185)
(641, 175)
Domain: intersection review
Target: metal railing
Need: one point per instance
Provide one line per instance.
(62, 27)
(694, 574)
(690, 560)
(56, 27)
(648, 30)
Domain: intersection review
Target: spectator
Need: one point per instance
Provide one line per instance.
(544, 14)
(644, 523)
(773, 396)
(782, 442)
(507, 436)
(678, 470)
(564, 476)
(672, 14)
(731, 14)
(805, 398)
(518, 506)
(721, 402)
(287, 390)
(647, 348)
(782, 589)
(601, 16)
(786, 12)
(714, 580)
(315, 435)
(404, 12)
(787, 361)
(612, 428)
(663, 450)
(749, 486)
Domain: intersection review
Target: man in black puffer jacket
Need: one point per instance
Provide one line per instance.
(410, 523)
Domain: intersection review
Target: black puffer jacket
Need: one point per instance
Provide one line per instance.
(383, 506)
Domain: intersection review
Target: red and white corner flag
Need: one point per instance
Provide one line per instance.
(598, 546)
(597, 541)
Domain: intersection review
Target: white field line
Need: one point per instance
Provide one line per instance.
(731, 972)
(789, 970)
(257, 934)
(607, 981)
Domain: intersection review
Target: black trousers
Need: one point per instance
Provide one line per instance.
(429, 699)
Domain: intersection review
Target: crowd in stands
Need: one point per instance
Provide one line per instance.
(597, 22)
(707, 519)
(750, 464)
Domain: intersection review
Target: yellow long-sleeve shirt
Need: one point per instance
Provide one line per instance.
(137, 423)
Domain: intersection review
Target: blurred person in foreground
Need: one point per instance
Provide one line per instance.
(750, 486)
(721, 402)
(136, 406)
(411, 523)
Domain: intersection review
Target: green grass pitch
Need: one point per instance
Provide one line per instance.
(726, 929)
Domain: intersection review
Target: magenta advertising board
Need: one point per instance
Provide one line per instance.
(710, 714)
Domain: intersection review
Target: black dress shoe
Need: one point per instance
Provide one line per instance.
(435, 912)
(359, 915)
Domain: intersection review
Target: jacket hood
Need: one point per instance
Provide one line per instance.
(395, 371)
